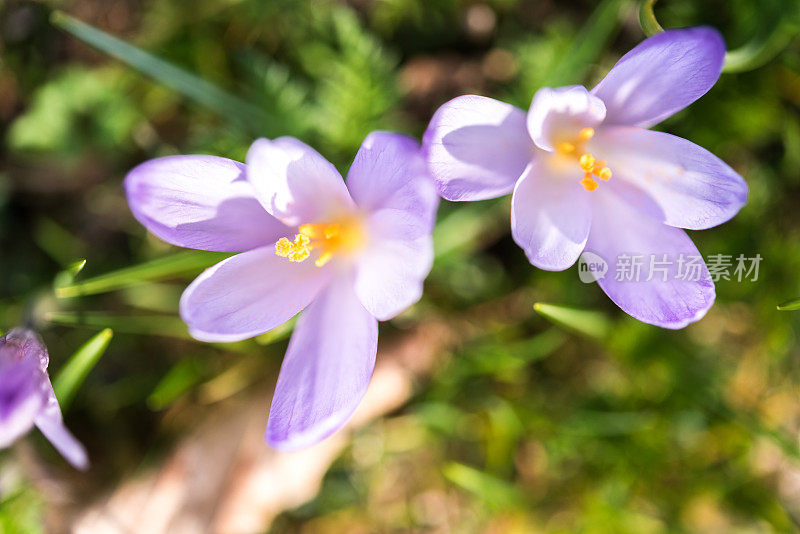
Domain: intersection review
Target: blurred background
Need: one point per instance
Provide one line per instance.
(485, 416)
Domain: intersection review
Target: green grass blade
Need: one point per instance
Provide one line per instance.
(588, 44)
(790, 305)
(495, 492)
(184, 375)
(154, 325)
(182, 81)
(76, 370)
(647, 18)
(586, 322)
(178, 264)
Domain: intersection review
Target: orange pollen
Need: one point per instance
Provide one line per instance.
(588, 163)
(329, 239)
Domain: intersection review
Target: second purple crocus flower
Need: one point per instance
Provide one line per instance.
(587, 173)
(350, 255)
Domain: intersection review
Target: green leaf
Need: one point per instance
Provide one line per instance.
(586, 322)
(182, 81)
(178, 264)
(495, 492)
(73, 374)
(790, 305)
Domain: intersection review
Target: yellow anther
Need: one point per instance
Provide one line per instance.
(587, 162)
(591, 166)
(299, 255)
(565, 148)
(345, 235)
(283, 247)
(295, 251)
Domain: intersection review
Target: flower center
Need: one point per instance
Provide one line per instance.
(344, 235)
(588, 163)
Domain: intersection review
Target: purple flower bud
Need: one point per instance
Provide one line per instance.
(27, 397)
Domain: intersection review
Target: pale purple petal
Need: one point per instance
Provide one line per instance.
(249, 294)
(51, 424)
(389, 174)
(294, 182)
(390, 274)
(662, 75)
(557, 115)
(200, 202)
(21, 398)
(326, 370)
(550, 217)
(621, 230)
(694, 189)
(476, 148)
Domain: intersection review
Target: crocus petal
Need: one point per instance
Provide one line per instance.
(201, 202)
(326, 370)
(21, 398)
(662, 75)
(390, 274)
(476, 148)
(294, 182)
(621, 232)
(550, 217)
(249, 294)
(557, 115)
(389, 174)
(51, 424)
(694, 189)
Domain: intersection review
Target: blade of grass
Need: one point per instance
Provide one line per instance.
(494, 491)
(184, 82)
(790, 305)
(588, 45)
(169, 266)
(80, 364)
(586, 322)
(154, 325)
(647, 18)
(184, 375)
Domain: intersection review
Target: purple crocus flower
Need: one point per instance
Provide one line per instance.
(27, 397)
(351, 255)
(587, 174)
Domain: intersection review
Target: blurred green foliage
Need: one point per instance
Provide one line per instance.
(524, 426)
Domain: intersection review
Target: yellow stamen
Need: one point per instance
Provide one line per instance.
(345, 235)
(565, 148)
(324, 258)
(586, 134)
(586, 162)
(588, 182)
(591, 166)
